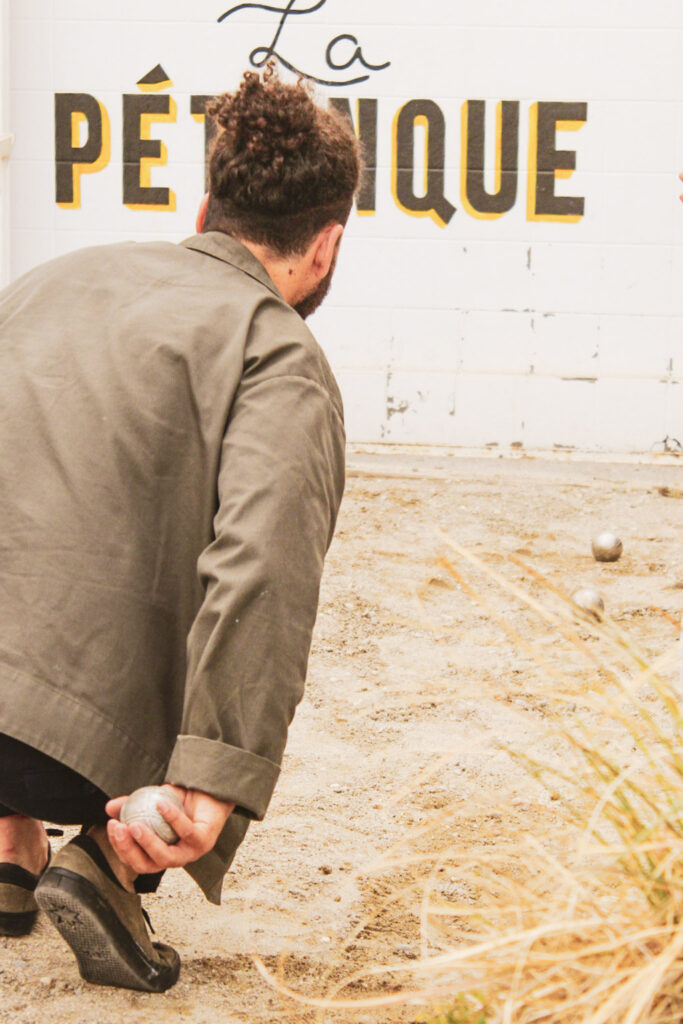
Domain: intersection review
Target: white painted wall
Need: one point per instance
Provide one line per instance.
(481, 332)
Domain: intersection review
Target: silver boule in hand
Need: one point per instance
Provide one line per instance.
(606, 547)
(589, 601)
(141, 806)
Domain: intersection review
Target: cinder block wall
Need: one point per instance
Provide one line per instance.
(513, 275)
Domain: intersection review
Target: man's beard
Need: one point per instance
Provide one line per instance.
(310, 302)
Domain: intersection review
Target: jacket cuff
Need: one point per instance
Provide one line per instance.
(224, 772)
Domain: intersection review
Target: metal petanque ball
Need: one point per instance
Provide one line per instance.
(606, 547)
(141, 806)
(589, 601)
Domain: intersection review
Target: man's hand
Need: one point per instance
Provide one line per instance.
(198, 824)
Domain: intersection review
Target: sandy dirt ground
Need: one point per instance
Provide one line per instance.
(404, 668)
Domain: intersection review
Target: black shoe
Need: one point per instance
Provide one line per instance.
(102, 922)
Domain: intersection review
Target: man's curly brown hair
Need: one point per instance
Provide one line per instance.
(281, 167)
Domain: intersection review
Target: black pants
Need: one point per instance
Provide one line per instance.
(36, 785)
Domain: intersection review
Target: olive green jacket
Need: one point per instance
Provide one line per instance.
(171, 465)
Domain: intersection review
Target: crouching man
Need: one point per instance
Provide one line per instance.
(171, 466)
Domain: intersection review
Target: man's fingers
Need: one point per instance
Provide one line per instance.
(157, 854)
(177, 819)
(113, 807)
(128, 850)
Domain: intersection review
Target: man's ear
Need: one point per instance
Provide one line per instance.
(201, 214)
(324, 249)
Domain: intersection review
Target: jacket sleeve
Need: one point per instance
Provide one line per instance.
(280, 483)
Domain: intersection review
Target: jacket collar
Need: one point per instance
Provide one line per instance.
(224, 247)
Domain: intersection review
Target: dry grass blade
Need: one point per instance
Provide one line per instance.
(578, 922)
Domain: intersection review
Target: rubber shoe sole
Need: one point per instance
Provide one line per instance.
(13, 925)
(19, 908)
(106, 952)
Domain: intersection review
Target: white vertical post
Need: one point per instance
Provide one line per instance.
(6, 140)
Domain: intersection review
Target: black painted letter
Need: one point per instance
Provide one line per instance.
(140, 151)
(433, 203)
(72, 159)
(476, 200)
(198, 111)
(366, 201)
(546, 163)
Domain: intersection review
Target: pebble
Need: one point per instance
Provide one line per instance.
(409, 952)
(336, 788)
(589, 601)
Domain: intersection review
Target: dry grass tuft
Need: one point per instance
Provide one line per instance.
(578, 919)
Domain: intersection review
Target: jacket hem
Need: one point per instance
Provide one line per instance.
(74, 734)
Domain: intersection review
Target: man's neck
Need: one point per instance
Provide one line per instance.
(285, 272)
